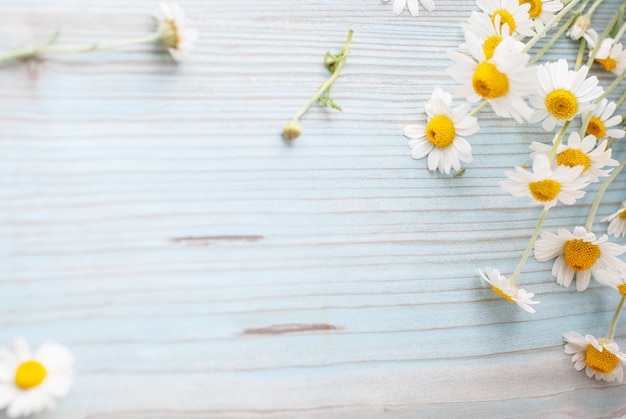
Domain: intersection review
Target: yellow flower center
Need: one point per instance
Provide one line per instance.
(490, 45)
(562, 104)
(580, 255)
(440, 131)
(29, 374)
(502, 294)
(622, 289)
(488, 82)
(603, 362)
(544, 190)
(536, 7)
(596, 127)
(168, 32)
(572, 158)
(622, 215)
(608, 63)
(505, 17)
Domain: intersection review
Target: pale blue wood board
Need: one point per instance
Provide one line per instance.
(110, 160)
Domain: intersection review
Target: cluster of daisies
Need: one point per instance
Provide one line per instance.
(172, 34)
(494, 68)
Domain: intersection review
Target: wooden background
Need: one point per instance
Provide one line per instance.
(153, 220)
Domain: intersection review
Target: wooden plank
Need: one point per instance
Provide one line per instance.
(153, 220)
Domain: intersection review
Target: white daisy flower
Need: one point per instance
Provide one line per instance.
(488, 34)
(580, 152)
(512, 12)
(600, 358)
(442, 136)
(563, 94)
(617, 225)
(603, 119)
(542, 11)
(503, 80)
(30, 382)
(581, 255)
(172, 31)
(579, 28)
(546, 186)
(611, 55)
(509, 291)
(400, 5)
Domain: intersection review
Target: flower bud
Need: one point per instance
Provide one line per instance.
(292, 131)
(579, 27)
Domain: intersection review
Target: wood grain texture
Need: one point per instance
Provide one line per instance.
(152, 220)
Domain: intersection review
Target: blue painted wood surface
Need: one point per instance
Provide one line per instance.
(153, 220)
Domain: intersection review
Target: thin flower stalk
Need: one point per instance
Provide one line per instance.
(292, 130)
(600, 194)
(618, 310)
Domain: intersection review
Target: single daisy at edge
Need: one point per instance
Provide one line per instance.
(545, 185)
(580, 152)
(617, 224)
(400, 5)
(31, 382)
(509, 291)
(504, 80)
(441, 139)
(602, 121)
(600, 358)
(562, 94)
(579, 254)
(173, 33)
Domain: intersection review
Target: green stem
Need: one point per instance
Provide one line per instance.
(558, 140)
(621, 99)
(619, 33)
(579, 57)
(48, 48)
(549, 25)
(327, 85)
(99, 46)
(478, 108)
(601, 191)
(554, 38)
(618, 310)
(593, 8)
(531, 243)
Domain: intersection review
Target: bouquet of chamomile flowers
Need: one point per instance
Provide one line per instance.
(497, 67)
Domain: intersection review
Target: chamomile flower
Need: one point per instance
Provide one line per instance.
(546, 186)
(400, 5)
(581, 255)
(601, 122)
(611, 55)
(617, 222)
(442, 136)
(579, 28)
(600, 358)
(509, 291)
(503, 80)
(563, 94)
(488, 34)
(542, 11)
(173, 33)
(580, 152)
(512, 12)
(30, 382)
